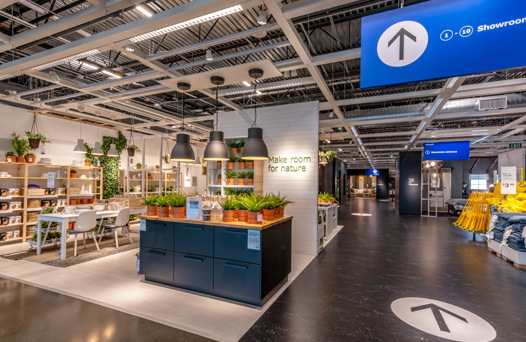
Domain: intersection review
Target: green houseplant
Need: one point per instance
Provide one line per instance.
(132, 188)
(230, 177)
(281, 203)
(229, 205)
(35, 139)
(30, 157)
(150, 203)
(269, 205)
(233, 144)
(330, 155)
(250, 177)
(87, 162)
(163, 204)
(132, 149)
(253, 203)
(178, 203)
(156, 166)
(21, 146)
(230, 163)
(139, 166)
(219, 179)
(72, 173)
(240, 178)
(241, 144)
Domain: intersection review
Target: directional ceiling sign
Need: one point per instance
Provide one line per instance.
(443, 320)
(439, 39)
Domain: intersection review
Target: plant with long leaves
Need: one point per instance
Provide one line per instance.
(252, 202)
(149, 201)
(229, 203)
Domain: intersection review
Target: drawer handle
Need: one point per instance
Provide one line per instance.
(190, 227)
(236, 232)
(156, 252)
(193, 258)
(237, 266)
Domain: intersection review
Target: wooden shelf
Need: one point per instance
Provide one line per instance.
(89, 179)
(12, 177)
(11, 240)
(12, 225)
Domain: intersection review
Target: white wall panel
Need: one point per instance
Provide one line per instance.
(288, 131)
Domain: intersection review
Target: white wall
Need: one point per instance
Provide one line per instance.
(63, 135)
(289, 131)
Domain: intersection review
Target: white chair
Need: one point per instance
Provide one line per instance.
(122, 221)
(85, 223)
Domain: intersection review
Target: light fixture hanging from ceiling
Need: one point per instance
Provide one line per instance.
(182, 151)
(209, 56)
(262, 19)
(80, 148)
(294, 73)
(216, 148)
(112, 152)
(255, 148)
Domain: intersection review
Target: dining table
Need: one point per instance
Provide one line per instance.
(64, 219)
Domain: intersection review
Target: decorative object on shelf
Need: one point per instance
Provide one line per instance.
(21, 146)
(163, 206)
(241, 144)
(87, 162)
(229, 205)
(250, 165)
(216, 148)
(219, 179)
(149, 176)
(218, 165)
(157, 167)
(240, 178)
(253, 203)
(178, 204)
(30, 158)
(150, 203)
(255, 148)
(35, 138)
(241, 164)
(10, 157)
(138, 166)
(250, 177)
(72, 173)
(230, 164)
(231, 177)
(182, 151)
(233, 145)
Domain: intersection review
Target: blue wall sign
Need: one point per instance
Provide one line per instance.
(442, 38)
(452, 150)
(372, 172)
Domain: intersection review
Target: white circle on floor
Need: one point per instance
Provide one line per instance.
(443, 320)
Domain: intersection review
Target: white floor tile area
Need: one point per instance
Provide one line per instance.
(113, 282)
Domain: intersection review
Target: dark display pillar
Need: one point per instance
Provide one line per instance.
(408, 183)
(382, 184)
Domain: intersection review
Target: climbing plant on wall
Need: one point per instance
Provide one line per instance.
(110, 165)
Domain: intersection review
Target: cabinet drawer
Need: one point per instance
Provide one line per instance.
(193, 271)
(157, 263)
(194, 239)
(232, 244)
(236, 279)
(159, 235)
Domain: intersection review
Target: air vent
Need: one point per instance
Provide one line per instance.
(493, 103)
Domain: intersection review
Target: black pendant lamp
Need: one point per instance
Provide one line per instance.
(216, 149)
(255, 148)
(182, 151)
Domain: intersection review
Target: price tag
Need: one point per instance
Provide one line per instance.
(9, 161)
(51, 179)
(142, 224)
(254, 239)
(508, 184)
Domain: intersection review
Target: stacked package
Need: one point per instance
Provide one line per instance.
(515, 223)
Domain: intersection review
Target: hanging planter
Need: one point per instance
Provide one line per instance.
(34, 143)
(330, 155)
(166, 158)
(132, 148)
(35, 138)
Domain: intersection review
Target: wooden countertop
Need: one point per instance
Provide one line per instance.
(235, 224)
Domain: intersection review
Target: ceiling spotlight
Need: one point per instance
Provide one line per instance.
(127, 101)
(427, 165)
(143, 11)
(331, 114)
(262, 19)
(247, 84)
(129, 48)
(157, 105)
(294, 73)
(340, 149)
(433, 163)
(286, 74)
(209, 56)
(80, 108)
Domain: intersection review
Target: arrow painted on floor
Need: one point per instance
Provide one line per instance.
(402, 34)
(438, 315)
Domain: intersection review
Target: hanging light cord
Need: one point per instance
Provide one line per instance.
(183, 111)
(217, 106)
(256, 104)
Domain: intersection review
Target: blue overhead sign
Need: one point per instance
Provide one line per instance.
(372, 172)
(452, 150)
(442, 38)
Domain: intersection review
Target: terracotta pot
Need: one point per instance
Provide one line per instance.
(280, 212)
(84, 201)
(242, 215)
(87, 164)
(268, 215)
(73, 202)
(219, 181)
(241, 165)
(228, 215)
(138, 167)
(236, 214)
(71, 225)
(20, 159)
(72, 175)
(218, 165)
(13, 159)
(163, 212)
(151, 210)
(170, 210)
(230, 181)
(235, 150)
(179, 212)
(241, 150)
(252, 217)
(230, 165)
(30, 159)
(241, 181)
(250, 164)
(149, 177)
(251, 181)
(91, 201)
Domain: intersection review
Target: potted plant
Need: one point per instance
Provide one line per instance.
(151, 188)
(281, 202)
(330, 155)
(253, 203)
(241, 164)
(87, 162)
(72, 173)
(138, 166)
(132, 188)
(241, 144)
(240, 178)
(35, 139)
(10, 156)
(30, 158)
(174, 168)
(178, 204)
(229, 205)
(150, 203)
(149, 176)
(242, 214)
(132, 149)
(250, 176)
(219, 179)
(233, 145)
(21, 147)
(163, 205)
(250, 164)
(157, 167)
(269, 207)
(231, 160)
(170, 188)
(230, 177)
